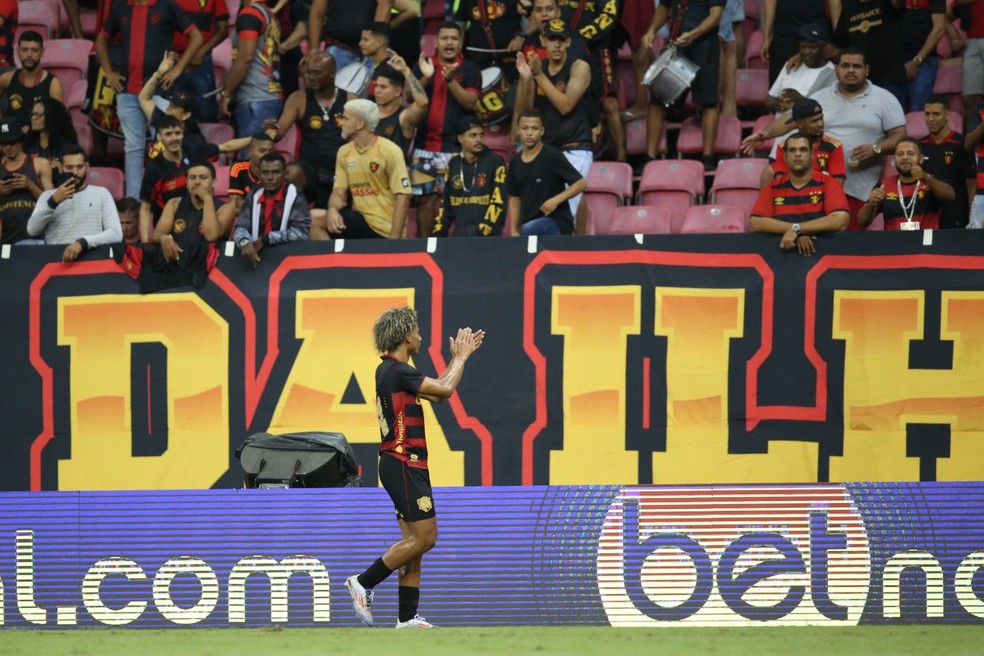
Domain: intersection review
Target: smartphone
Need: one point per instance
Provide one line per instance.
(62, 178)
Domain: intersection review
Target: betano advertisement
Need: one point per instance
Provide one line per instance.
(704, 359)
(824, 554)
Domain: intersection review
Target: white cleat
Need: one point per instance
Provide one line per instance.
(417, 622)
(361, 599)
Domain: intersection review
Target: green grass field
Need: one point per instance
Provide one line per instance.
(537, 641)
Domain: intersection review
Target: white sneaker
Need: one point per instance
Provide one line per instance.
(361, 599)
(417, 622)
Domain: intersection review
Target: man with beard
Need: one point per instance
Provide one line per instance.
(865, 118)
(452, 84)
(245, 175)
(317, 112)
(273, 213)
(193, 219)
(945, 157)
(370, 168)
(911, 199)
(474, 187)
(396, 122)
(802, 204)
(23, 87)
(828, 153)
(815, 71)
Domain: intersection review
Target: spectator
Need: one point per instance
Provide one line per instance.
(452, 83)
(193, 218)
(972, 64)
(781, 22)
(923, 25)
(8, 28)
(75, 213)
(802, 204)
(245, 175)
(51, 131)
(875, 26)
(540, 181)
(974, 142)
(340, 24)
(24, 86)
(696, 36)
(945, 157)
(164, 177)
(316, 111)
(911, 199)
(146, 30)
(815, 71)
(407, 24)
(375, 46)
(396, 122)
(828, 153)
(22, 180)
(556, 90)
(211, 17)
(184, 106)
(371, 169)
(273, 213)
(474, 187)
(252, 85)
(732, 35)
(129, 211)
(865, 118)
(494, 37)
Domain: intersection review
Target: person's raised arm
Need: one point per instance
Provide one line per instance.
(146, 95)
(462, 346)
(316, 19)
(292, 112)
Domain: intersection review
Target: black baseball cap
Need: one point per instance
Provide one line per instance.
(805, 108)
(11, 130)
(185, 101)
(814, 32)
(556, 27)
(466, 123)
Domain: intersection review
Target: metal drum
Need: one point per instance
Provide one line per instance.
(670, 76)
(495, 102)
(354, 79)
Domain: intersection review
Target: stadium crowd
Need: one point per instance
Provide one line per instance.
(186, 122)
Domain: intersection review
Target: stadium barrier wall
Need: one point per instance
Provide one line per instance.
(830, 554)
(682, 359)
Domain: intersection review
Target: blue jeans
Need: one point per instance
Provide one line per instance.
(342, 56)
(198, 82)
(134, 125)
(251, 114)
(541, 226)
(919, 89)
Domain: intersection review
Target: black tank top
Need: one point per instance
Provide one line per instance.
(566, 132)
(20, 99)
(16, 208)
(187, 229)
(321, 132)
(389, 127)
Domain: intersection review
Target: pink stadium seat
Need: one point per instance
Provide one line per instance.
(109, 177)
(636, 219)
(67, 53)
(635, 137)
(222, 182)
(760, 124)
(948, 77)
(217, 133)
(38, 15)
(222, 55)
(736, 182)
(728, 142)
(715, 218)
(915, 124)
(609, 187)
(75, 96)
(753, 50)
(674, 184)
(288, 145)
(752, 87)
(82, 129)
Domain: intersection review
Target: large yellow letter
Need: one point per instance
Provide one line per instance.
(100, 331)
(882, 395)
(699, 325)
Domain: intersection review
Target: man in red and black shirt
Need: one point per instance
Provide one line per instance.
(945, 157)
(828, 153)
(910, 200)
(146, 29)
(8, 26)
(211, 17)
(403, 456)
(974, 142)
(452, 84)
(164, 177)
(802, 204)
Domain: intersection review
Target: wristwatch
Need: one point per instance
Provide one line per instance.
(917, 60)
(244, 242)
(876, 149)
(795, 228)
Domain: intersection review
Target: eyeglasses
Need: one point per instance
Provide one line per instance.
(37, 114)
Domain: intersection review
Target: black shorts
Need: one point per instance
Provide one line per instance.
(408, 487)
(356, 226)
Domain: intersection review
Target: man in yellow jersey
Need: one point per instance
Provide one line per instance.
(372, 169)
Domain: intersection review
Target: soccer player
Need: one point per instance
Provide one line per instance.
(403, 456)
(803, 203)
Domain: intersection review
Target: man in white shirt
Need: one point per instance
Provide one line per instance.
(815, 71)
(76, 213)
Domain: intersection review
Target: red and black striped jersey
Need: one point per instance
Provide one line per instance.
(782, 200)
(9, 13)
(437, 133)
(148, 32)
(828, 157)
(926, 211)
(241, 180)
(400, 415)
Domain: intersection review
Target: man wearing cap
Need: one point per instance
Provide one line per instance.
(867, 119)
(815, 71)
(828, 153)
(557, 90)
(801, 204)
(22, 180)
(474, 187)
(780, 24)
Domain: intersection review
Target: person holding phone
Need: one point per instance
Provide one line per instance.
(22, 179)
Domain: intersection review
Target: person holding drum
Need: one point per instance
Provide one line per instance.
(694, 34)
(493, 32)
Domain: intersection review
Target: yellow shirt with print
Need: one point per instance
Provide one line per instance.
(373, 177)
